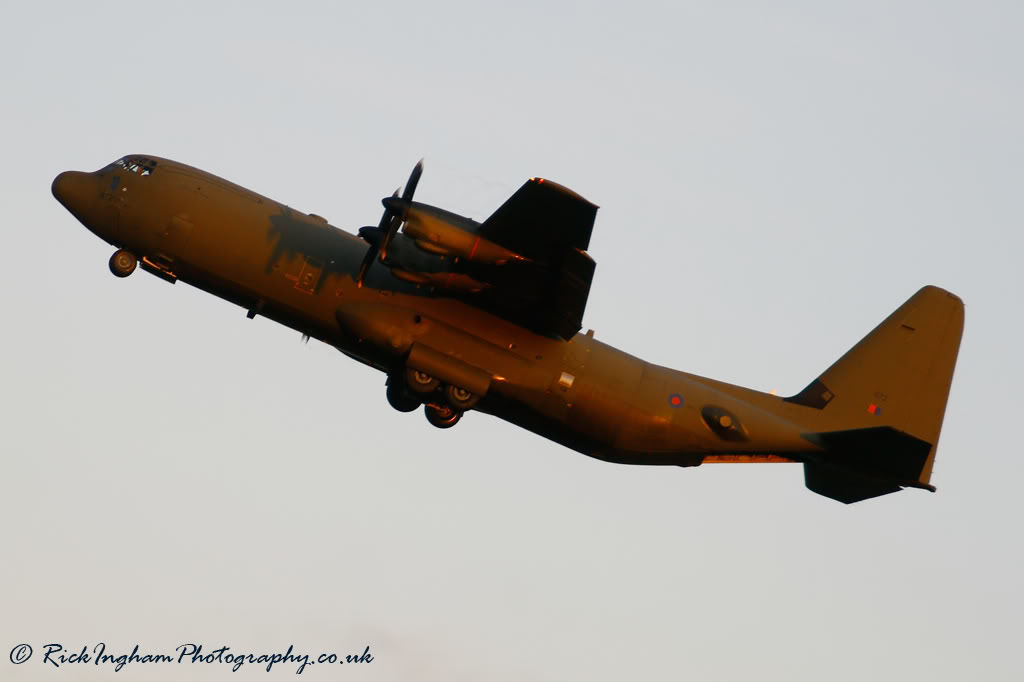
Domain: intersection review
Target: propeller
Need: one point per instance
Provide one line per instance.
(379, 237)
(373, 236)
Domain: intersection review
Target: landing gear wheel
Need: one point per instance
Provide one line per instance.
(123, 263)
(460, 398)
(421, 382)
(442, 417)
(401, 399)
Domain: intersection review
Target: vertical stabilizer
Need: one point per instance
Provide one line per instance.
(895, 380)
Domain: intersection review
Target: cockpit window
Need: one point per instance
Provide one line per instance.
(137, 164)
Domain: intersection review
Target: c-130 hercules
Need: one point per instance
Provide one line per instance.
(462, 316)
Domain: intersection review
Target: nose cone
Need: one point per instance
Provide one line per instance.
(75, 190)
(81, 194)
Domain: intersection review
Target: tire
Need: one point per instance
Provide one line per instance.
(442, 417)
(460, 398)
(421, 382)
(123, 263)
(401, 399)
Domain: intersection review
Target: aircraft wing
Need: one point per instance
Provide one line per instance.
(550, 226)
(541, 220)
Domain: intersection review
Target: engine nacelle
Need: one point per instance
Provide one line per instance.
(442, 232)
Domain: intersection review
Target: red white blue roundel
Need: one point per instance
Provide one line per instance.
(675, 400)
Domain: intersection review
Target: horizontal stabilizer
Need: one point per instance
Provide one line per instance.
(861, 463)
(843, 486)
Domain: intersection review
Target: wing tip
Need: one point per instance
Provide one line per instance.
(561, 189)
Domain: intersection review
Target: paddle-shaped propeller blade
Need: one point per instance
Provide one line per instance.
(414, 179)
(373, 236)
(380, 237)
(396, 217)
(364, 267)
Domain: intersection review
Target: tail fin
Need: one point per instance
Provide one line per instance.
(883, 402)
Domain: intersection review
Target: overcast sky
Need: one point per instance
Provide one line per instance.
(772, 181)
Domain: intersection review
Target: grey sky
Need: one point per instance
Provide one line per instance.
(773, 181)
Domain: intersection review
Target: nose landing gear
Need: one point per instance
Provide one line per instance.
(123, 263)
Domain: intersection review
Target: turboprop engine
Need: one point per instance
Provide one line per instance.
(433, 230)
(442, 232)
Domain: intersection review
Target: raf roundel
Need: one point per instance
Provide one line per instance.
(675, 400)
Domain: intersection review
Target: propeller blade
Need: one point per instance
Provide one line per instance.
(389, 206)
(375, 237)
(371, 255)
(370, 234)
(414, 179)
(385, 220)
(389, 235)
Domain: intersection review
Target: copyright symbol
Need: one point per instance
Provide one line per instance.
(20, 654)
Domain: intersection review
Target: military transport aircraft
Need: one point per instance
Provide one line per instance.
(463, 316)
